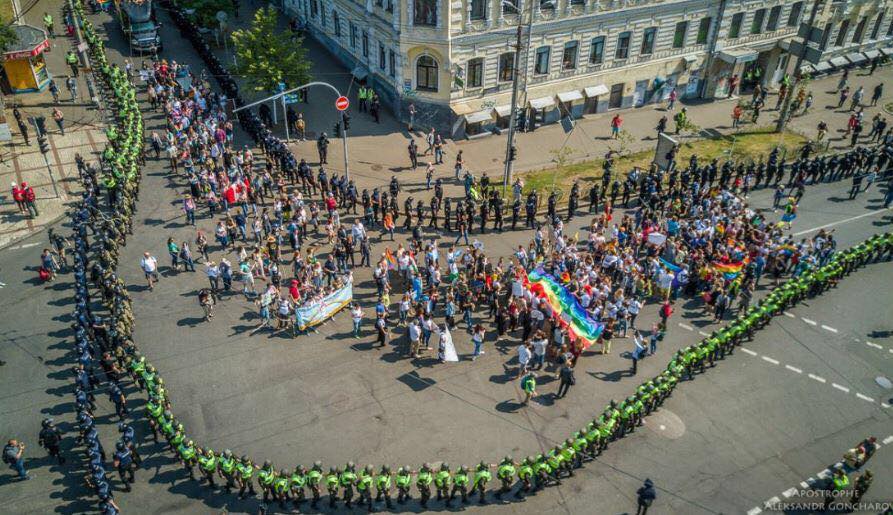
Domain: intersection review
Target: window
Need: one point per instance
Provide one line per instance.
(774, 14)
(679, 34)
(860, 30)
(475, 73)
(578, 2)
(425, 12)
(841, 32)
(510, 7)
(314, 8)
(890, 29)
(794, 16)
(597, 50)
(541, 65)
(478, 9)
(381, 57)
(703, 30)
(336, 21)
(379, 3)
(506, 67)
(735, 27)
(877, 25)
(756, 26)
(353, 35)
(389, 6)
(569, 58)
(426, 73)
(365, 44)
(547, 5)
(322, 18)
(826, 35)
(648, 41)
(392, 63)
(622, 51)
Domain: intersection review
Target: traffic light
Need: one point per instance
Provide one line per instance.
(346, 118)
(40, 123)
(513, 153)
(43, 142)
(337, 129)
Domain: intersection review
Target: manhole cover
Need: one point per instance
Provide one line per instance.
(376, 168)
(666, 424)
(883, 382)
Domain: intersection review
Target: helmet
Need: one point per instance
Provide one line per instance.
(445, 466)
(317, 465)
(267, 464)
(209, 453)
(121, 426)
(507, 459)
(189, 443)
(482, 465)
(350, 466)
(283, 472)
(331, 470)
(228, 453)
(463, 468)
(426, 466)
(119, 446)
(368, 469)
(385, 469)
(245, 460)
(47, 422)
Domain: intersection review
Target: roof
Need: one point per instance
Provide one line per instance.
(739, 55)
(873, 54)
(823, 66)
(28, 38)
(503, 110)
(570, 96)
(839, 62)
(594, 91)
(542, 102)
(480, 116)
(856, 57)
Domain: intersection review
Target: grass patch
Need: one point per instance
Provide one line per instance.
(743, 146)
(6, 12)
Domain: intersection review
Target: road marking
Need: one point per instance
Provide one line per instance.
(789, 492)
(841, 388)
(888, 440)
(686, 327)
(864, 397)
(817, 378)
(770, 360)
(754, 511)
(823, 474)
(752, 353)
(702, 333)
(845, 220)
(773, 501)
(808, 321)
(27, 245)
(828, 328)
(789, 315)
(885, 405)
(876, 346)
(805, 484)
(793, 369)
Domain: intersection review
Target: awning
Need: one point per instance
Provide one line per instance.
(594, 91)
(839, 62)
(570, 96)
(480, 116)
(823, 66)
(503, 111)
(873, 54)
(763, 47)
(360, 72)
(739, 55)
(887, 51)
(807, 68)
(690, 58)
(856, 57)
(542, 102)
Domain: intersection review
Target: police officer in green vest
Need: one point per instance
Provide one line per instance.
(361, 96)
(207, 463)
(333, 479)
(839, 483)
(177, 437)
(155, 413)
(403, 480)
(568, 456)
(227, 469)
(298, 480)
(49, 24)
(525, 474)
(460, 484)
(281, 486)
(187, 457)
(314, 478)
(364, 486)
(442, 481)
(265, 477)
(482, 476)
(506, 475)
(423, 483)
(167, 425)
(245, 474)
(383, 486)
(348, 479)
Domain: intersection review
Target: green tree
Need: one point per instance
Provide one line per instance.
(267, 57)
(7, 36)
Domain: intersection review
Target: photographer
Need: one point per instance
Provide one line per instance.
(12, 456)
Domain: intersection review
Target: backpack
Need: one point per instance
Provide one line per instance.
(44, 274)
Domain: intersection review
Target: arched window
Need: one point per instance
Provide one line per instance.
(426, 73)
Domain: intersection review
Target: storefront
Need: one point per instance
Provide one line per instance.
(570, 103)
(542, 111)
(593, 93)
(24, 66)
(479, 123)
(737, 61)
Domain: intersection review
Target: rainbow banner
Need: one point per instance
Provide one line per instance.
(390, 259)
(570, 313)
(730, 270)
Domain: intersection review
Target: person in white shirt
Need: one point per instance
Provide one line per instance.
(356, 313)
(524, 354)
(150, 267)
(415, 334)
(539, 350)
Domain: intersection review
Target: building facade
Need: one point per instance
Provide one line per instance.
(454, 60)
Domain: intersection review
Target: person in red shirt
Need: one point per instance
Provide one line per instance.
(19, 196)
(30, 199)
(616, 123)
(736, 116)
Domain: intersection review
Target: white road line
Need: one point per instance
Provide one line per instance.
(876, 346)
(770, 360)
(702, 333)
(864, 397)
(789, 492)
(27, 245)
(845, 220)
(828, 328)
(754, 511)
(773, 501)
(808, 321)
(840, 387)
(752, 353)
(686, 327)
(789, 315)
(823, 474)
(885, 405)
(817, 378)
(888, 440)
(805, 484)
(793, 369)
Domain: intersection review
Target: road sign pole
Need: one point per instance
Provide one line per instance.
(285, 115)
(344, 144)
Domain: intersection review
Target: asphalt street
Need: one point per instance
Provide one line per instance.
(737, 436)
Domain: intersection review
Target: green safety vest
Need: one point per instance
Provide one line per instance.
(280, 485)
(298, 480)
(245, 471)
(187, 453)
(314, 477)
(155, 410)
(208, 464)
(265, 477)
(332, 481)
(481, 477)
(364, 483)
(227, 465)
(424, 478)
(383, 481)
(348, 478)
(461, 479)
(442, 479)
(403, 480)
(506, 471)
(525, 471)
(579, 444)
(167, 427)
(177, 439)
(567, 453)
(840, 483)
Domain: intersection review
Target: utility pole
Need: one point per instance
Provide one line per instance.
(783, 116)
(513, 116)
(82, 55)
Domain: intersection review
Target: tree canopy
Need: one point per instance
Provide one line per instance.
(7, 36)
(266, 56)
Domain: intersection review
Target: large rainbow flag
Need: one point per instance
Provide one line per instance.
(570, 313)
(730, 270)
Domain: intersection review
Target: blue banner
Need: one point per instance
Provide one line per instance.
(322, 310)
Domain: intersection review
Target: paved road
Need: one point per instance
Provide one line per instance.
(734, 438)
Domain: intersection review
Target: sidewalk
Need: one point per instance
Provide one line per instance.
(19, 162)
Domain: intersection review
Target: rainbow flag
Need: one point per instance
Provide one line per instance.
(391, 260)
(570, 313)
(730, 270)
(786, 249)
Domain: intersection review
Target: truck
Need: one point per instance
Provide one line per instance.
(139, 25)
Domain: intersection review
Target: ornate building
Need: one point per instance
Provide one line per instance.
(454, 60)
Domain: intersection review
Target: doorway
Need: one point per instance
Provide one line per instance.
(616, 99)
